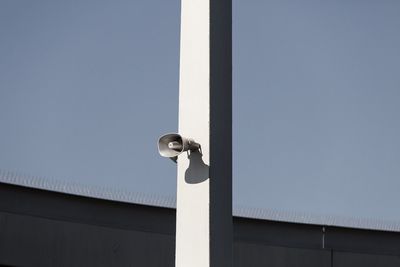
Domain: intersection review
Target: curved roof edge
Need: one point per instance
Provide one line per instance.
(85, 190)
(119, 195)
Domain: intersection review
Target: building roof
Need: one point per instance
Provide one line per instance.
(120, 195)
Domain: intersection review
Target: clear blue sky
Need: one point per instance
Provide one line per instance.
(86, 88)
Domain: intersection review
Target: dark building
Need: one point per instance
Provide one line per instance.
(44, 228)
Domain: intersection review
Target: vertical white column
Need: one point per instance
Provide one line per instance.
(204, 193)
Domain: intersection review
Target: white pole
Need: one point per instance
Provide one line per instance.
(204, 193)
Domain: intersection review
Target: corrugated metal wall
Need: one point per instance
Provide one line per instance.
(41, 228)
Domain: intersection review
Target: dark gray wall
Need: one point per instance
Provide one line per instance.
(41, 228)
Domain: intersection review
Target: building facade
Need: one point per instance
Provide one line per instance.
(43, 228)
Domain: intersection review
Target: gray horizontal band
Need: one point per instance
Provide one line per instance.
(113, 194)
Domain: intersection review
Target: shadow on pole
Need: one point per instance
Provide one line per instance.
(197, 171)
